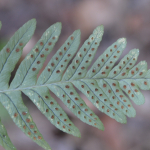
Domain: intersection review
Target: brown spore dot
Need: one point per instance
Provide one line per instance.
(107, 67)
(39, 137)
(82, 86)
(107, 110)
(102, 60)
(53, 38)
(33, 69)
(73, 67)
(100, 94)
(124, 62)
(28, 120)
(36, 49)
(95, 43)
(35, 132)
(61, 66)
(58, 71)
(98, 65)
(124, 100)
(85, 117)
(96, 89)
(48, 69)
(34, 138)
(92, 49)
(115, 56)
(80, 55)
(124, 86)
(110, 62)
(97, 101)
(56, 108)
(38, 62)
(95, 124)
(115, 46)
(132, 95)
(91, 114)
(52, 64)
(118, 102)
(136, 90)
(92, 97)
(88, 92)
(130, 63)
(60, 53)
(65, 48)
(67, 86)
(111, 105)
(46, 97)
(126, 110)
(104, 85)
(110, 50)
(78, 112)
(79, 73)
(63, 95)
(127, 58)
(105, 100)
(15, 115)
(88, 43)
(69, 124)
(41, 43)
(129, 91)
(118, 51)
(81, 104)
(63, 126)
(103, 107)
(29, 133)
(68, 101)
(71, 93)
(109, 91)
(133, 58)
(123, 74)
(115, 72)
(20, 44)
(60, 114)
(68, 43)
(132, 84)
(121, 96)
(56, 58)
(87, 61)
(90, 55)
(114, 84)
(103, 72)
(77, 61)
(119, 67)
(24, 127)
(132, 72)
(17, 50)
(117, 90)
(31, 56)
(72, 37)
(52, 117)
(89, 120)
(106, 55)
(84, 49)
(76, 98)
(46, 49)
(113, 97)
(57, 122)
(49, 43)
(47, 110)
(137, 69)
(31, 126)
(86, 109)
(116, 109)
(127, 68)
(51, 103)
(122, 107)
(73, 106)
(24, 113)
(129, 105)
(42, 55)
(141, 73)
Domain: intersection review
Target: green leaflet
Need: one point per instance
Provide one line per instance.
(108, 87)
(4, 139)
(0, 24)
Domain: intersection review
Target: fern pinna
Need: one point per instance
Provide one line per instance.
(106, 86)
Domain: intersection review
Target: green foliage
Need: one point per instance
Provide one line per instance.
(107, 87)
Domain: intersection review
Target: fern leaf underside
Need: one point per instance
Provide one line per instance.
(108, 87)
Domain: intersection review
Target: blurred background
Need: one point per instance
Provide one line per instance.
(128, 18)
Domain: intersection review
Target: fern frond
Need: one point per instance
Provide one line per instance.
(108, 87)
